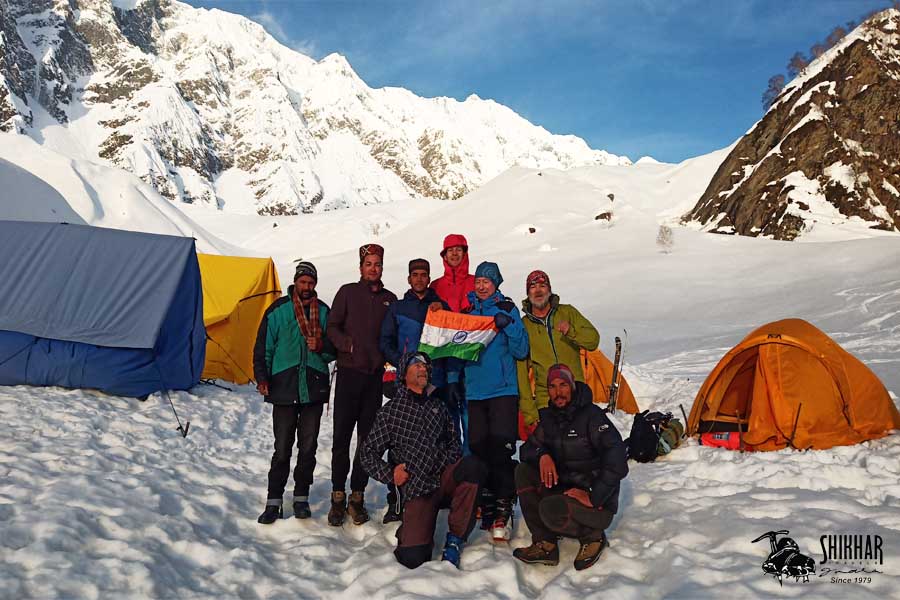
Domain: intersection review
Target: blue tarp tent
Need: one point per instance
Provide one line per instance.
(87, 307)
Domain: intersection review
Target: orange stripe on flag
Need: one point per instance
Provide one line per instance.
(446, 319)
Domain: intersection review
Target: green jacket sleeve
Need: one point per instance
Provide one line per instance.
(581, 332)
(527, 403)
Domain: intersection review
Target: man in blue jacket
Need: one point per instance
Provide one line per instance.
(492, 393)
(401, 331)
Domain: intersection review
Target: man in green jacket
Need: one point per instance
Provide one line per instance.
(290, 363)
(556, 334)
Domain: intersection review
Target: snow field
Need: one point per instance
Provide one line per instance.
(100, 496)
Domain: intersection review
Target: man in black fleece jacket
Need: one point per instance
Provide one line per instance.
(569, 474)
(426, 465)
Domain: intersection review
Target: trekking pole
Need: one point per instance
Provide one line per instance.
(183, 429)
(684, 435)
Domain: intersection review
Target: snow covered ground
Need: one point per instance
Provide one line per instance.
(100, 497)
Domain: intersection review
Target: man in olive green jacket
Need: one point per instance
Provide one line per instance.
(556, 334)
(290, 362)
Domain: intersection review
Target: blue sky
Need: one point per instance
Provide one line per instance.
(667, 78)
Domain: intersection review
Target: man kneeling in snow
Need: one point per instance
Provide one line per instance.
(569, 474)
(427, 465)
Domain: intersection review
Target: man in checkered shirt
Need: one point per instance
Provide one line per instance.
(426, 465)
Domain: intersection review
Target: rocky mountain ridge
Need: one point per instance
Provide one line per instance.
(827, 151)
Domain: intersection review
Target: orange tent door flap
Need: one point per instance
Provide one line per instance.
(796, 402)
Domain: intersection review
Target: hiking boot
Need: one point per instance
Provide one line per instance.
(501, 529)
(539, 553)
(589, 553)
(301, 510)
(391, 515)
(453, 549)
(356, 506)
(338, 509)
(272, 513)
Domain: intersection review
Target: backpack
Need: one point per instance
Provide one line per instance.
(653, 434)
(643, 441)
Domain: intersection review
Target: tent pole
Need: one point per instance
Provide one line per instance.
(794, 430)
(183, 429)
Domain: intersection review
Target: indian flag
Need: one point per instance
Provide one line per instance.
(456, 335)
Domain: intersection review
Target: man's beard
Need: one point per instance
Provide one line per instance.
(541, 305)
(307, 295)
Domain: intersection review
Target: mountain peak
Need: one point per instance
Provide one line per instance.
(208, 108)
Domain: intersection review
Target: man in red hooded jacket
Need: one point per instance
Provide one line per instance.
(457, 282)
(453, 288)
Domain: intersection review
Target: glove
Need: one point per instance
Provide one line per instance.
(501, 320)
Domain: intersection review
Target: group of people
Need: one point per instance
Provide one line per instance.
(447, 436)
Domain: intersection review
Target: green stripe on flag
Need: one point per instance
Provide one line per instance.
(462, 351)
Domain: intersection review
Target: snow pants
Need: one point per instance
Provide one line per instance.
(549, 513)
(493, 432)
(292, 422)
(460, 484)
(357, 397)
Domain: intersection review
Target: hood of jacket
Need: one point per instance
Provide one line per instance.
(460, 271)
(488, 302)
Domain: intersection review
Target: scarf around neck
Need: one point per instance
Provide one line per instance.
(310, 328)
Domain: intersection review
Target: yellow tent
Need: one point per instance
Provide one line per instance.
(789, 384)
(236, 293)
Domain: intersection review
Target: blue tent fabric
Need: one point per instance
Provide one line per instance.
(87, 307)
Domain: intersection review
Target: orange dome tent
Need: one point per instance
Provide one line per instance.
(789, 384)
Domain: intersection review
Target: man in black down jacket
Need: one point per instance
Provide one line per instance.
(569, 474)
(425, 462)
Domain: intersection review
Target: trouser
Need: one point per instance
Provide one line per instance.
(459, 415)
(493, 431)
(357, 397)
(549, 513)
(459, 487)
(290, 422)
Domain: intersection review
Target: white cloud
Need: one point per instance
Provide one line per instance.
(271, 24)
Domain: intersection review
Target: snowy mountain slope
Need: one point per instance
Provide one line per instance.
(207, 107)
(147, 513)
(825, 154)
(37, 184)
